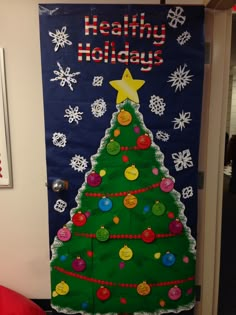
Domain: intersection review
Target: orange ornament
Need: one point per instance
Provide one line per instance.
(124, 118)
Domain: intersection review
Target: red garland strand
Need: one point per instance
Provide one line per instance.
(127, 285)
(124, 193)
(125, 236)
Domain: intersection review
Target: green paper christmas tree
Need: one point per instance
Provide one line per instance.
(127, 248)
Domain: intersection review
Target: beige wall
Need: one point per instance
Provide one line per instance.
(24, 253)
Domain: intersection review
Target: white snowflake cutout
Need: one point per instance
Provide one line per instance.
(60, 38)
(157, 105)
(64, 76)
(163, 136)
(99, 107)
(175, 17)
(183, 38)
(184, 118)
(187, 192)
(98, 80)
(180, 78)
(182, 160)
(59, 139)
(73, 114)
(78, 163)
(60, 205)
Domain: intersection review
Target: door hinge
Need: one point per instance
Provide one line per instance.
(201, 176)
(198, 293)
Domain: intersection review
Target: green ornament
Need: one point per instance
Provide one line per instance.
(158, 208)
(113, 147)
(102, 234)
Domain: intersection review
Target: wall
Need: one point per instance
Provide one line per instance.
(24, 226)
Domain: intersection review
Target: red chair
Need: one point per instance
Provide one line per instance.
(13, 303)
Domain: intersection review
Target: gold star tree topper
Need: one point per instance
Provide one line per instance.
(127, 87)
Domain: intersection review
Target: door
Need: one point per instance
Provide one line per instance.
(122, 99)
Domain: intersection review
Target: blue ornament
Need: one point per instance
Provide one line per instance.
(63, 257)
(105, 204)
(146, 209)
(168, 259)
(84, 305)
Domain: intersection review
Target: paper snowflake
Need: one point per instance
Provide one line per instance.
(60, 38)
(184, 118)
(64, 76)
(59, 139)
(157, 105)
(98, 81)
(187, 192)
(175, 17)
(78, 163)
(73, 114)
(182, 160)
(99, 107)
(180, 78)
(60, 205)
(183, 38)
(163, 136)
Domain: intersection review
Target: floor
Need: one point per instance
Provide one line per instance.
(227, 290)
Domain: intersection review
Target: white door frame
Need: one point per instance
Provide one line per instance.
(211, 158)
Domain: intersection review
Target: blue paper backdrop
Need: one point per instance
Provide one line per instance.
(83, 137)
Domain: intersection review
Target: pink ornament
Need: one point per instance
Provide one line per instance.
(176, 227)
(155, 171)
(87, 214)
(167, 184)
(122, 265)
(186, 259)
(94, 179)
(175, 293)
(64, 234)
(79, 264)
(189, 291)
(136, 129)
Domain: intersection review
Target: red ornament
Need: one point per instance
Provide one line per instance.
(94, 179)
(171, 215)
(144, 142)
(125, 158)
(90, 253)
(103, 293)
(176, 227)
(123, 300)
(148, 236)
(79, 219)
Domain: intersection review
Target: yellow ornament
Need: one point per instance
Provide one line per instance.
(130, 201)
(143, 288)
(157, 255)
(126, 253)
(116, 220)
(124, 118)
(102, 173)
(131, 172)
(116, 132)
(54, 294)
(62, 288)
(127, 87)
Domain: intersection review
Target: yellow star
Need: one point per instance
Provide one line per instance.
(127, 87)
